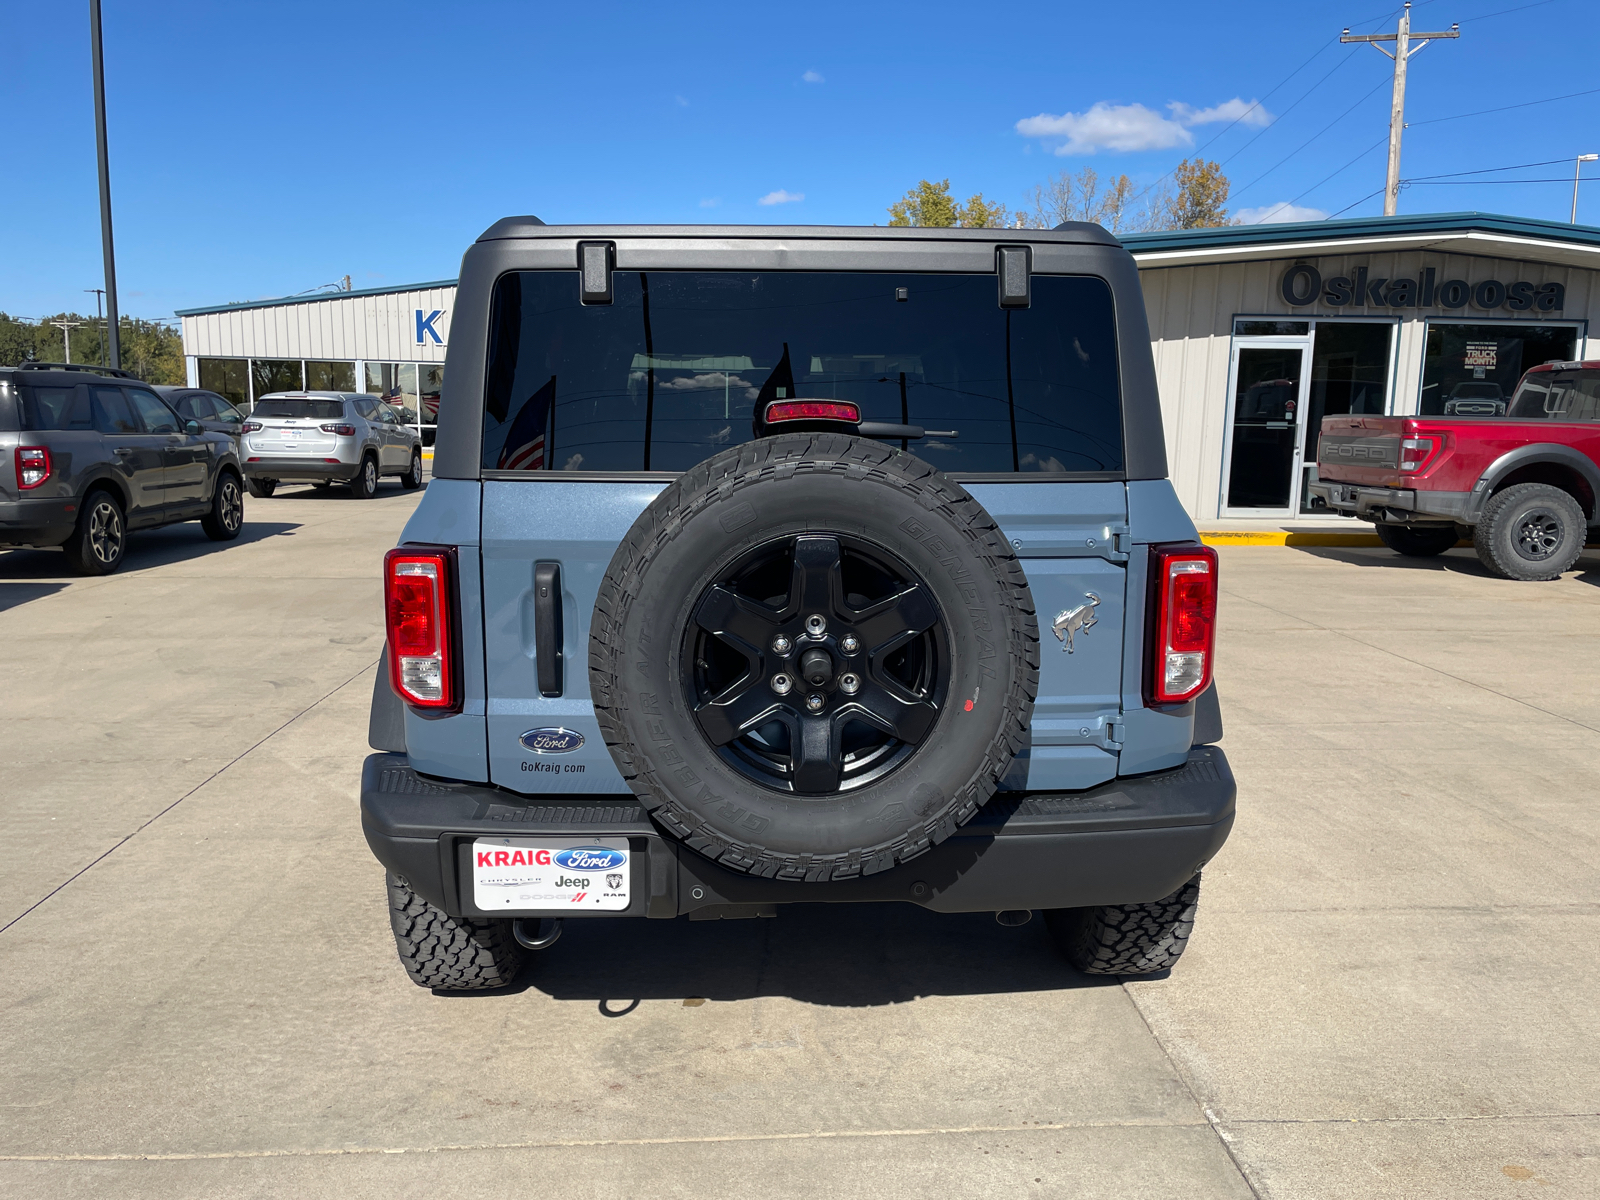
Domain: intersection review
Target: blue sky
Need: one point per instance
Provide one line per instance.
(261, 149)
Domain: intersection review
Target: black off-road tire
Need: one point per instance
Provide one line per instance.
(99, 541)
(460, 954)
(812, 484)
(1420, 542)
(412, 479)
(261, 488)
(226, 518)
(1126, 939)
(1530, 531)
(365, 485)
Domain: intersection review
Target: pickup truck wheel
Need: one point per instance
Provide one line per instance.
(460, 954)
(813, 657)
(1530, 531)
(261, 488)
(1126, 939)
(226, 518)
(1417, 543)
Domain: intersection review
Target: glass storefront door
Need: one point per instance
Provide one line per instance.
(1266, 434)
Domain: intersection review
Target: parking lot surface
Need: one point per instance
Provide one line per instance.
(1390, 990)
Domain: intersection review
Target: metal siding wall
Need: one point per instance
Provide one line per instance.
(379, 328)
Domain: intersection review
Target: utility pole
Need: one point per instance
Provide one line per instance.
(112, 335)
(100, 320)
(1576, 167)
(1403, 50)
(66, 328)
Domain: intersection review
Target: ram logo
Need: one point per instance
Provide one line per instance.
(1075, 620)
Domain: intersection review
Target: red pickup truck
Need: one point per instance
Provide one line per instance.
(1520, 477)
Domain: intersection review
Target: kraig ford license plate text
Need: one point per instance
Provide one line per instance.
(550, 873)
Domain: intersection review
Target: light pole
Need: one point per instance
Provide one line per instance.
(113, 338)
(100, 320)
(66, 328)
(1576, 167)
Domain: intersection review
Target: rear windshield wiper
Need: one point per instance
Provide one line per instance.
(888, 429)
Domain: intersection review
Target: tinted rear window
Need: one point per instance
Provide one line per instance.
(1557, 396)
(315, 410)
(56, 408)
(669, 373)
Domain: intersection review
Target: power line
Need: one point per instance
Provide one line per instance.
(1314, 137)
(1490, 170)
(1363, 200)
(1504, 108)
(1479, 182)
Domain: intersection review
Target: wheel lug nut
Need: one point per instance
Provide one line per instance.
(814, 702)
(849, 683)
(781, 645)
(816, 625)
(849, 643)
(781, 683)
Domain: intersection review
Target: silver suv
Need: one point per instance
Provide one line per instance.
(324, 438)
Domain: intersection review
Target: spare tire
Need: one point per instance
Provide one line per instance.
(813, 657)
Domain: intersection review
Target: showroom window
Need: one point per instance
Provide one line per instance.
(1474, 367)
(330, 376)
(228, 377)
(275, 375)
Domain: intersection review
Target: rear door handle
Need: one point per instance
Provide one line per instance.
(122, 450)
(547, 632)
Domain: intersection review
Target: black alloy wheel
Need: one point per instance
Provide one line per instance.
(816, 663)
(1539, 534)
(1530, 531)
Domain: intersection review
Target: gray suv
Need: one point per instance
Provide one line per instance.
(87, 456)
(327, 437)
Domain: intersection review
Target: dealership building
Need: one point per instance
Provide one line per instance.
(1258, 331)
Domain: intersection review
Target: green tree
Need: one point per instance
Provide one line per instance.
(1201, 198)
(150, 350)
(930, 205)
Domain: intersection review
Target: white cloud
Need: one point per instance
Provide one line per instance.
(782, 197)
(813, 77)
(682, 103)
(1279, 214)
(1245, 112)
(711, 202)
(1133, 127)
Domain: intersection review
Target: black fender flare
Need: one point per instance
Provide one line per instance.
(106, 480)
(1527, 456)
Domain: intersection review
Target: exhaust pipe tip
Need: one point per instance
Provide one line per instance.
(531, 932)
(1012, 918)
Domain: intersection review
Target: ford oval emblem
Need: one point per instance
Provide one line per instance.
(551, 741)
(590, 858)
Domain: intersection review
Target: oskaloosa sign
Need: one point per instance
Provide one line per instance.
(1303, 285)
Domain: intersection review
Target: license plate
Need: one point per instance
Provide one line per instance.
(551, 873)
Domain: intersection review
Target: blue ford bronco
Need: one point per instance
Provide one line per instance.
(771, 565)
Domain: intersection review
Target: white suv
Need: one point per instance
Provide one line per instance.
(324, 438)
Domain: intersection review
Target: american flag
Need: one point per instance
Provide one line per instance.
(524, 445)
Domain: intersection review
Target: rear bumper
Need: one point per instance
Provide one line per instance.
(272, 466)
(1396, 506)
(1130, 840)
(42, 522)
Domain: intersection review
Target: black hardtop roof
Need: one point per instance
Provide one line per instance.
(1069, 233)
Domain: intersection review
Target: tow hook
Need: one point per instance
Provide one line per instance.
(537, 933)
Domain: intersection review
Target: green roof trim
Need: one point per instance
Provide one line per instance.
(313, 298)
(1359, 228)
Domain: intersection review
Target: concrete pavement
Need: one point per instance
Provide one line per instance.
(1388, 991)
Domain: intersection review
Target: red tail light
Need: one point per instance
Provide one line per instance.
(418, 591)
(251, 427)
(812, 410)
(1183, 620)
(1415, 452)
(33, 466)
(341, 430)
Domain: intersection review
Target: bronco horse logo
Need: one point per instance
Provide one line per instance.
(1075, 620)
